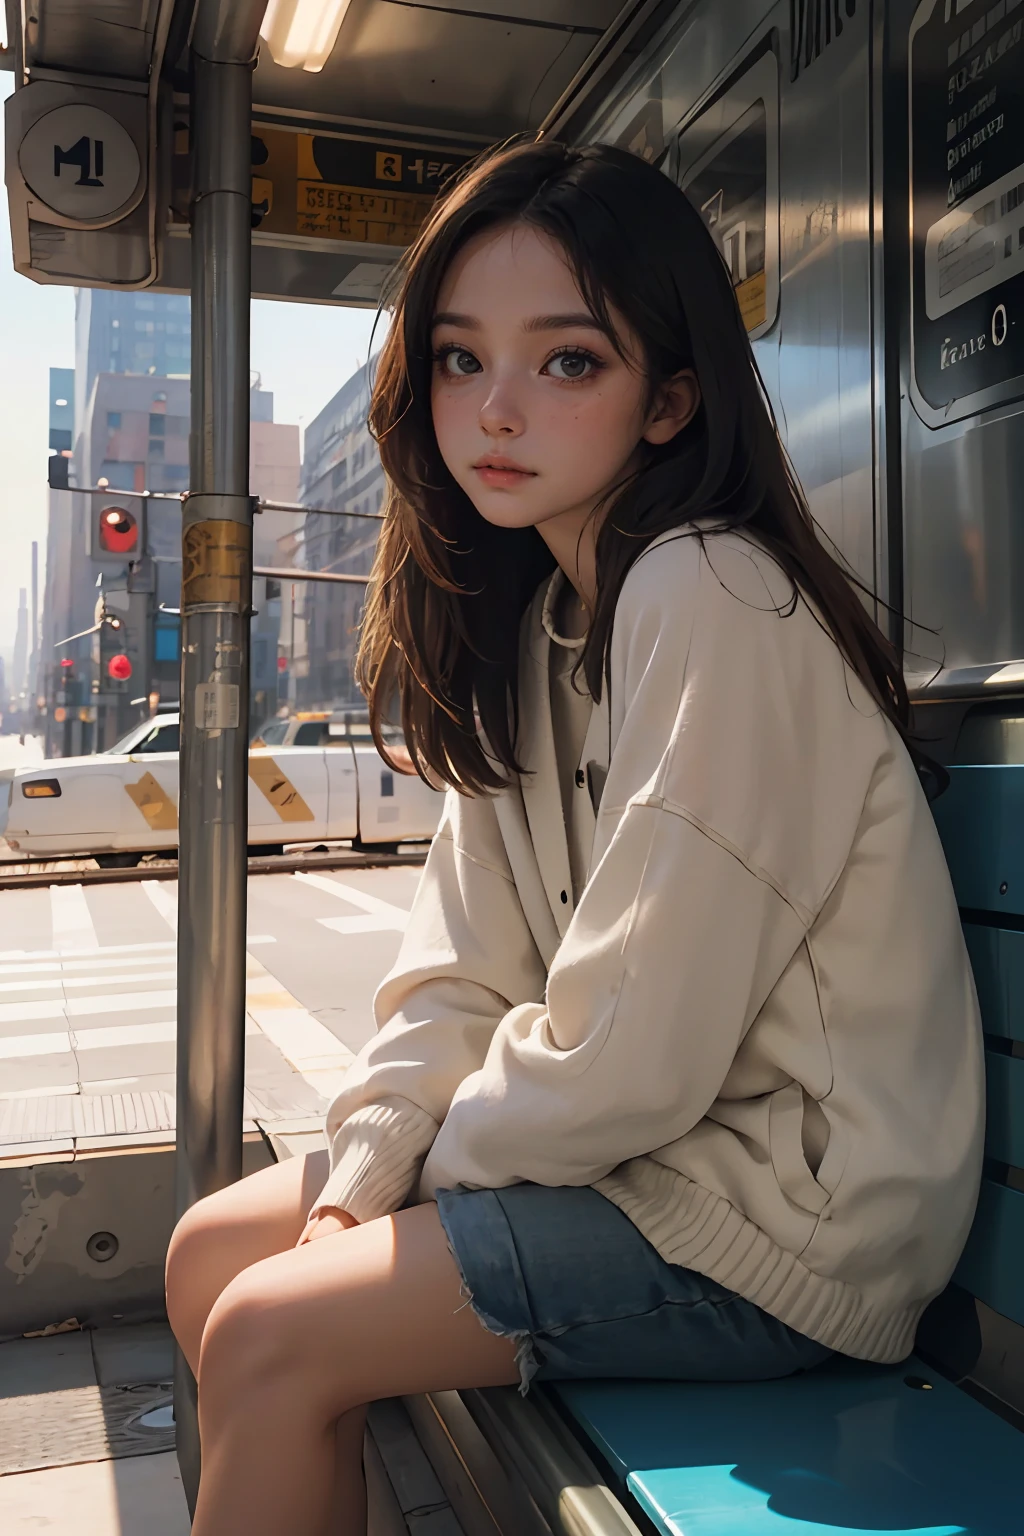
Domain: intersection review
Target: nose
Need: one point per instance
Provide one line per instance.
(501, 414)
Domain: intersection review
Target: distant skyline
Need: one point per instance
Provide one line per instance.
(302, 352)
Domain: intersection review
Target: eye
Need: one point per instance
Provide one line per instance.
(572, 364)
(456, 362)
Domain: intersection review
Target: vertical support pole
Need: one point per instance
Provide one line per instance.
(215, 606)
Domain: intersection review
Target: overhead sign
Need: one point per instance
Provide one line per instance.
(967, 196)
(320, 187)
(80, 162)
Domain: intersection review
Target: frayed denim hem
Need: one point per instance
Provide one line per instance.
(526, 1360)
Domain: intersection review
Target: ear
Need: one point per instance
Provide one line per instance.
(675, 405)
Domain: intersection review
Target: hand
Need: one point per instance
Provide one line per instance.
(324, 1223)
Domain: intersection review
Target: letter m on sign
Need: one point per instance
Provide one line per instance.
(85, 156)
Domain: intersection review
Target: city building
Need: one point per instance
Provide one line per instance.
(113, 569)
(122, 332)
(341, 471)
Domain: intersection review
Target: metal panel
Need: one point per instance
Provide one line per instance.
(997, 959)
(114, 39)
(1004, 1127)
(817, 361)
(993, 1261)
(486, 71)
(981, 822)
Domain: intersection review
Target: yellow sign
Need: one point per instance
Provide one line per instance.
(155, 803)
(752, 297)
(276, 787)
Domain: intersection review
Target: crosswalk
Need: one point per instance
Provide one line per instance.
(88, 1026)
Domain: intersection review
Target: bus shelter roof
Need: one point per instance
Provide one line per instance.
(473, 70)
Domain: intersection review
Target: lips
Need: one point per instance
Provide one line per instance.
(501, 473)
(498, 461)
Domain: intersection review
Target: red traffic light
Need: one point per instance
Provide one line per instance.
(119, 531)
(67, 662)
(282, 663)
(119, 668)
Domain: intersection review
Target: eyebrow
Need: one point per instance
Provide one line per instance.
(536, 323)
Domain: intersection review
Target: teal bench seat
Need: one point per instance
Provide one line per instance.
(894, 1451)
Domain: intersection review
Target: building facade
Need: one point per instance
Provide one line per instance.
(341, 471)
(113, 570)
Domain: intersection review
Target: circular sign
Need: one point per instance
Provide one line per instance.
(60, 714)
(80, 162)
(119, 668)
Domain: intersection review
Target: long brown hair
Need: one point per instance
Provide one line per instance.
(439, 639)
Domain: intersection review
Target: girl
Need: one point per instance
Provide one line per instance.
(683, 1001)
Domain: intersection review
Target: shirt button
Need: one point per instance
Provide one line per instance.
(565, 898)
(581, 778)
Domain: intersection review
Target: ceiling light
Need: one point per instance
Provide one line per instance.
(302, 32)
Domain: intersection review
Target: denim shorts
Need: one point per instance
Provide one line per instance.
(564, 1273)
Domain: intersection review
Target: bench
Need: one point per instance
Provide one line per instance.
(854, 1447)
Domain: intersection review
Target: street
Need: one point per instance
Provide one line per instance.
(87, 1003)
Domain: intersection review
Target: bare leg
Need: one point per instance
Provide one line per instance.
(303, 1338)
(223, 1235)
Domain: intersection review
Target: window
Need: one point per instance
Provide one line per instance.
(164, 739)
(113, 421)
(157, 425)
(309, 734)
(727, 164)
(156, 447)
(274, 732)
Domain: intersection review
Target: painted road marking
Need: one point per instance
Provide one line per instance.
(81, 1007)
(165, 903)
(381, 916)
(72, 921)
(72, 959)
(38, 984)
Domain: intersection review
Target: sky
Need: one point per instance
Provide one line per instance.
(303, 352)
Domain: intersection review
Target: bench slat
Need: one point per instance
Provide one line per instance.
(1004, 1128)
(981, 822)
(997, 960)
(993, 1261)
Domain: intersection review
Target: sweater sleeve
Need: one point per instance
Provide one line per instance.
(717, 838)
(467, 958)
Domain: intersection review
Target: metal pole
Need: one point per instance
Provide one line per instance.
(215, 607)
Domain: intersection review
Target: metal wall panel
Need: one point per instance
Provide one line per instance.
(817, 359)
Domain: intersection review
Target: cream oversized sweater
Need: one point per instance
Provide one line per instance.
(757, 1031)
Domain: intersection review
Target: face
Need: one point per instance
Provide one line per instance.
(537, 415)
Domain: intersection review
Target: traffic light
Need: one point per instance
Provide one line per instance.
(118, 532)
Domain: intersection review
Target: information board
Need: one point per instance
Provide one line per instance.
(345, 189)
(966, 61)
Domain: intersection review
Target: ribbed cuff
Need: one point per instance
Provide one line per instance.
(375, 1158)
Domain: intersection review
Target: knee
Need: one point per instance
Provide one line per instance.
(256, 1345)
(188, 1256)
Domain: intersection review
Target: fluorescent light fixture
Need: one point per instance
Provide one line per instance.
(303, 32)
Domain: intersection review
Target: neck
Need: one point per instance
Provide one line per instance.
(572, 539)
